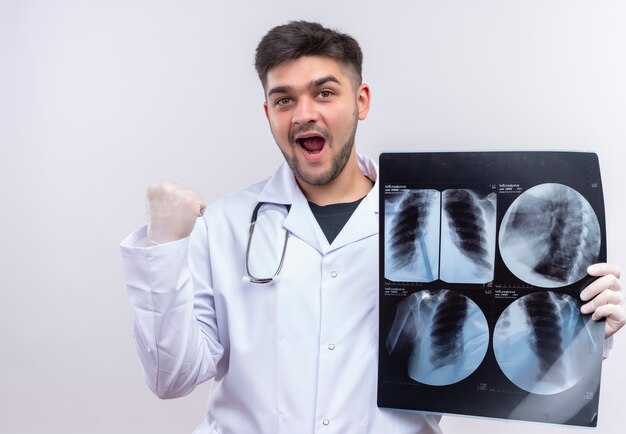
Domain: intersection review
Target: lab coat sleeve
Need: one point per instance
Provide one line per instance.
(174, 321)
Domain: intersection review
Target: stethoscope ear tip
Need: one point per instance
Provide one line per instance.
(245, 279)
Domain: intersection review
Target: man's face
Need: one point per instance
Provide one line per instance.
(313, 105)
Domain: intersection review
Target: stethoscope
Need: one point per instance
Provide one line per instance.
(249, 277)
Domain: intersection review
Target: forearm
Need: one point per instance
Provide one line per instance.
(177, 352)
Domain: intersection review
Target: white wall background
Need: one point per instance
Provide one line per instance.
(99, 98)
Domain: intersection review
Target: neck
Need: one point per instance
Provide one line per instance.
(348, 186)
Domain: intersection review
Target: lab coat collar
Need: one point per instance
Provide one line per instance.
(282, 188)
(364, 221)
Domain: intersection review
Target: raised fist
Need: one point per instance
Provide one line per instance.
(172, 211)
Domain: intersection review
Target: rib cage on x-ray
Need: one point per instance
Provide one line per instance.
(542, 344)
(411, 236)
(445, 332)
(549, 235)
(468, 236)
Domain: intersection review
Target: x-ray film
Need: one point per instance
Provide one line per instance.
(482, 259)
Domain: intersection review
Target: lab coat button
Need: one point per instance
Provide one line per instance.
(333, 274)
(326, 422)
(331, 346)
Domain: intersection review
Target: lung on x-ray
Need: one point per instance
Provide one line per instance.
(412, 238)
(468, 233)
(482, 259)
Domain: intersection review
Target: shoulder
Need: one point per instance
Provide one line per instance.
(241, 201)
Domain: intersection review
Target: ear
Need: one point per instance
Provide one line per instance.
(363, 100)
(265, 110)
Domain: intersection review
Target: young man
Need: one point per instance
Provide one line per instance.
(295, 353)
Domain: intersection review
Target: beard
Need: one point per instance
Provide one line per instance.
(337, 165)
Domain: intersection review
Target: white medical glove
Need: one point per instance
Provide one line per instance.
(172, 212)
(605, 297)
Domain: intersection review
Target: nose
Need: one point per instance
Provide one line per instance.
(305, 112)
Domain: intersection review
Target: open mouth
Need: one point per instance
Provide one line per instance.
(312, 145)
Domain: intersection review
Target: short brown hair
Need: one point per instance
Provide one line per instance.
(303, 38)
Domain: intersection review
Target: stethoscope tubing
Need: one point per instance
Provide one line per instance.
(262, 280)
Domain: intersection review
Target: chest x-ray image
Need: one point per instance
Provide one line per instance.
(542, 343)
(468, 236)
(446, 333)
(412, 235)
(549, 235)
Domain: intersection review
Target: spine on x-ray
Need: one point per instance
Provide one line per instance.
(546, 337)
(447, 329)
(566, 239)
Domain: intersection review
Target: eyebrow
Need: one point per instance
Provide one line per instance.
(312, 85)
(323, 80)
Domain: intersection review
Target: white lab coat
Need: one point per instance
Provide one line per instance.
(296, 356)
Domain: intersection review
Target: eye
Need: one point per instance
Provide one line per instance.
(282, 101)
(325, 93)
